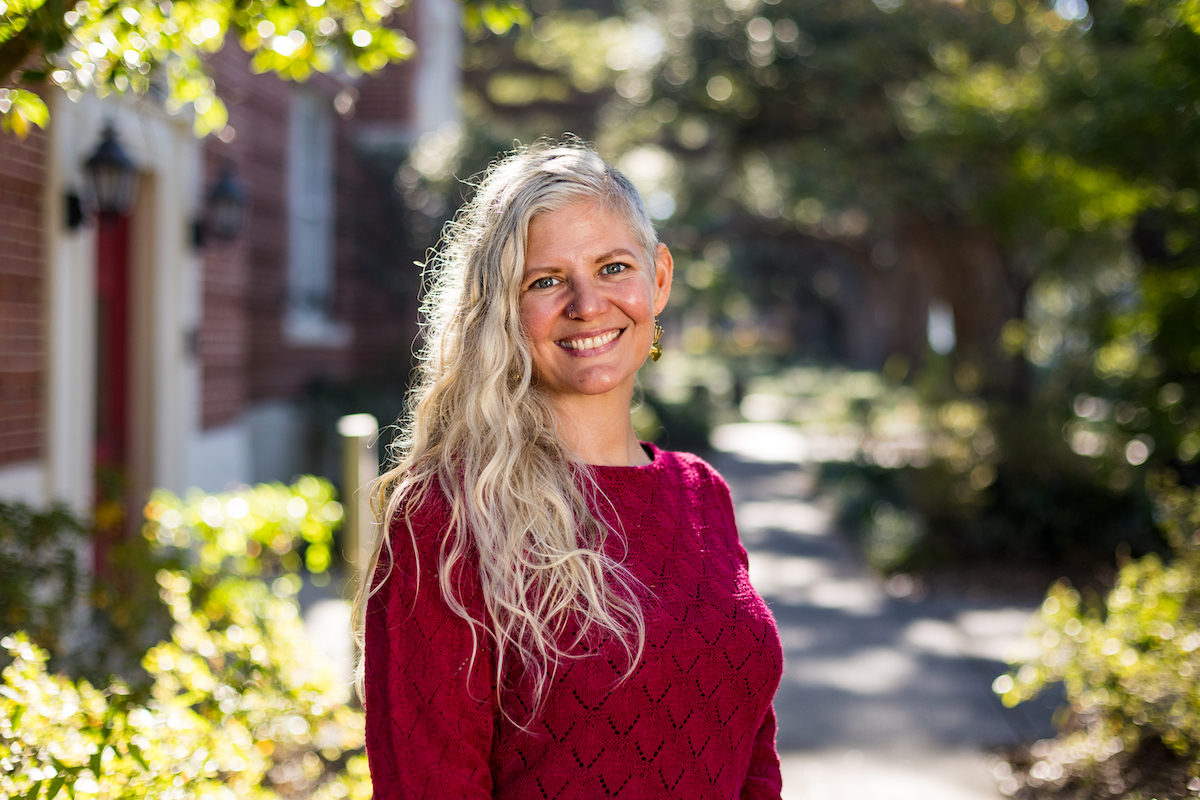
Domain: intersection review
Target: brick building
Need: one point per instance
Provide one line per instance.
(193, 374)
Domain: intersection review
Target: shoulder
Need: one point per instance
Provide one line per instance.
(421, 535)
(421, 519)
(427, 505)
(694, 495)
(691, 471)
(697, 485)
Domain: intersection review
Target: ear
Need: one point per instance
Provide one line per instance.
(664, 269)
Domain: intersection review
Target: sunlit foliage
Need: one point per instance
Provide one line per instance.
(158, 48)
(940, 477)
(255, 531)
(1130, 664)
(237, 705)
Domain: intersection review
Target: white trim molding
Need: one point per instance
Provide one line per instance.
(164, 303)
(23, 482)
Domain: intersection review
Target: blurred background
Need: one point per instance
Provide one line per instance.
(939, 256)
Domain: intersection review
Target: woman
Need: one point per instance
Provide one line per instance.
(558, 611)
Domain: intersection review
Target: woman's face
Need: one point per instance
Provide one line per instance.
(588, 300)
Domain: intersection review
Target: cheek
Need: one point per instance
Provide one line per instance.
(536, 320)
(638, 301)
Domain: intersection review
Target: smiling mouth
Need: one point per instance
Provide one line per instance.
(590, 342)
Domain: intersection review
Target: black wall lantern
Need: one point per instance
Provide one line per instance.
(74, 215)
(226, 210)
(111, 175)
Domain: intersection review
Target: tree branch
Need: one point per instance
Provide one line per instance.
(14, 53)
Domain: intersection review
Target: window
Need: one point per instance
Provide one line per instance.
(310, 199)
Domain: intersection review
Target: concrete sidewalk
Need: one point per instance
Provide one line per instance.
(882, 697)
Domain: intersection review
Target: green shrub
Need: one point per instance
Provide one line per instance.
(236, 704)
(1130, 664)
(993, 484)
(57, 734)
(257, 531)
(39, 571)
(262, 531)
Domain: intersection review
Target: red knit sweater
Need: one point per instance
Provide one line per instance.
(694, 720)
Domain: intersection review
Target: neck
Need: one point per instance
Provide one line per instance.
(598, 430)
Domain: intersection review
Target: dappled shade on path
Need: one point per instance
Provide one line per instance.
(876, 688)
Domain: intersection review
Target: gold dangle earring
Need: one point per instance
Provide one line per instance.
(655, 346)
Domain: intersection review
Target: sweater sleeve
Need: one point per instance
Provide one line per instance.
(430, 712)
(763, 778)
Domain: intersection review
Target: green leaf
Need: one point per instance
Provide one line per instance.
(33, 792)
(136, 752)
(497, 17)
(20, 110)
(54, 787)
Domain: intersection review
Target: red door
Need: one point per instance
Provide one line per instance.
(112, 380)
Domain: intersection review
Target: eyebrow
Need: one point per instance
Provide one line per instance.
(613, 254)
(610, 255)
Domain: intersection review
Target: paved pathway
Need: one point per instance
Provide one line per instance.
(881, 697)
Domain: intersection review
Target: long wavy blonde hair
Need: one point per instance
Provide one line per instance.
(477, 428)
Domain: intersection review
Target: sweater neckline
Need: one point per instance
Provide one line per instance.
(656, 462)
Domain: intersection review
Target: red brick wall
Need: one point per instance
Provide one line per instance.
(386, 96)
(223, 337)
(243, 354)
(22, 327)
(371, 210)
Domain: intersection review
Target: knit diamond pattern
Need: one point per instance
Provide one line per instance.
(693, 721)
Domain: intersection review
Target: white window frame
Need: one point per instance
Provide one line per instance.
(311, 224)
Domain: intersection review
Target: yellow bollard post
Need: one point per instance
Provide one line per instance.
(360, 468)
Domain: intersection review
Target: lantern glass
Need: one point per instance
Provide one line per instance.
(112, 176)
(227, 206)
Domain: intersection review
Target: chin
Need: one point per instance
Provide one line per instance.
(589, 385)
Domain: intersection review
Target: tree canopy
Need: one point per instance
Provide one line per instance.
(841, 120)
(810, 161)
(144, 46)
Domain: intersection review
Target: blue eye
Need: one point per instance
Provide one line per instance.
(615, 268)
(543, 283)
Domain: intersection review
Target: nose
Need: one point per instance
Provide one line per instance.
(586, 301)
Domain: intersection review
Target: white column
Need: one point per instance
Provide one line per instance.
(70, 313)
(439, 53)
(175, 309)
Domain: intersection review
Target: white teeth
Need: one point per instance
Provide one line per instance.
(590, 343)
